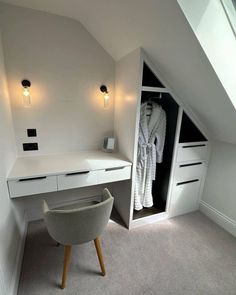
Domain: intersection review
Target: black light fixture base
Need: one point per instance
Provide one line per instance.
(25, 83)
(103, 88)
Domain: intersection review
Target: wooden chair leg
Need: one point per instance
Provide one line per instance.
(99, 254)
(67, 255)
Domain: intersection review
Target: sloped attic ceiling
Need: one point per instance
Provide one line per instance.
(162, 30)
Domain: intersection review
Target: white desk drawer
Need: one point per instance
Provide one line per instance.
(78, 179)
(114, 174)
(185, 196)
(192, 152)
(189, 170)
(32, 186)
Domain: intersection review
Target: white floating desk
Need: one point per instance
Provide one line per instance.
(41, 174)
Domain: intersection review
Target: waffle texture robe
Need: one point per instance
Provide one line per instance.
(152, 131)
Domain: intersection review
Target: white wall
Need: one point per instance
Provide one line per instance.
(12, 224)
(66, 66)
(210, 24)
(212, 29)
(219, 195)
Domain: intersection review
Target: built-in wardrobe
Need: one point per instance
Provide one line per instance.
(180, 176)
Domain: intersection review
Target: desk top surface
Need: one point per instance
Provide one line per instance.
(36, 166)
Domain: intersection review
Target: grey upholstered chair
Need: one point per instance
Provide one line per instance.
(79, 224)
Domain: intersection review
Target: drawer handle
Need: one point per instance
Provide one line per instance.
(33, 178)
(190, 181)
(77, 173)
(192, 164)
(191, 146)
(112, 169)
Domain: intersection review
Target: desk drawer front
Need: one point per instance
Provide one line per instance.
(32, 186)
(74, 180)
(190, 170)
(192, 153)
(114, 174)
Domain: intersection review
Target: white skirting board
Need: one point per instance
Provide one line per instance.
(13, 288)
(219, 218)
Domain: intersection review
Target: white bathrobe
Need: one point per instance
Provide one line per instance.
(152, 131)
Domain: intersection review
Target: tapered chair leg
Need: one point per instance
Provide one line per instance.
(100, 257)
(67, 255)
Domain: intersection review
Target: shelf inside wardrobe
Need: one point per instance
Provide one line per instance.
(147, 212)
(154, 89)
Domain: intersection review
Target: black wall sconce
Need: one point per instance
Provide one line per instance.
(26, 93)
(104, 90)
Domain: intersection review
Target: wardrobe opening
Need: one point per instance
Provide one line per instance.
(161, 98)
(189, 132)
(149, 79)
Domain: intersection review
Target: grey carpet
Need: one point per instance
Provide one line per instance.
(184, 255)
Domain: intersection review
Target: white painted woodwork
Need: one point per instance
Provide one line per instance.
(95, 177)
(27, 187)
(154, 89)
(123, 201)
(218, 217)
(126, 128)
(178, 157)
(128, 95)
(183, 172)
(220, 186)
(173, 165)
(114, 174)
(69, 181)
(184, 198)
(27, 167)
(126, 124)
(42, 174)
(191, 152)
(149, 219)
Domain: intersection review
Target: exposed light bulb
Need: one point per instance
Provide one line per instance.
(26, 97)
(106, 100)
(26, 91)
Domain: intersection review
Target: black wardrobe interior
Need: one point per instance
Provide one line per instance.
(188, 133)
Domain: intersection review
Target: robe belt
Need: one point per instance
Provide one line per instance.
(148, 157)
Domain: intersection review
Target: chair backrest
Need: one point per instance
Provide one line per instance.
(77, 226)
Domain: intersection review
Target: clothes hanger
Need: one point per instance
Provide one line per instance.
(150, 103)
(151, 98)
